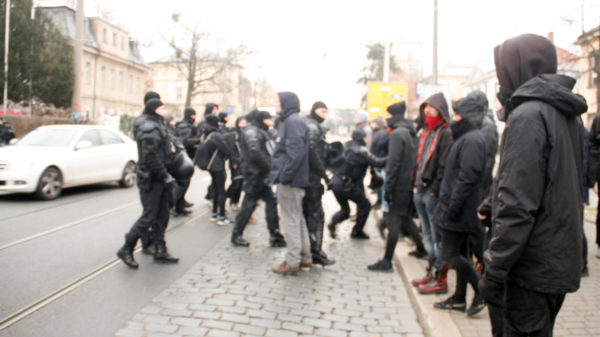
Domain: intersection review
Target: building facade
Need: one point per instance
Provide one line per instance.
(114, 75)
(590, 60)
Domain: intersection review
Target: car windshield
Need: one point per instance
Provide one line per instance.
(48, 137)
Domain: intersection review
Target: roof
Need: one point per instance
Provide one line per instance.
(586, 35)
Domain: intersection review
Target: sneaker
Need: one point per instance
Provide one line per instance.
(359, 235)
(285, 269)
(476, 306)
(424, 280)
(450, 304)
(223, 220)
(214, 217)
(381, 266)
(418, 253)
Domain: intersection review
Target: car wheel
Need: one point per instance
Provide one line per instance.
(128, 176)
(50, 184)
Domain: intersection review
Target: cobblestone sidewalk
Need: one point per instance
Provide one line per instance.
(232, 292)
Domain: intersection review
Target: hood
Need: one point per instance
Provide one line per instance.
(399, 121)
(552, 89)
(439, 102)
(290, 104)
(522, 58)
(188, 113)
(472, 107)
(209, 108)
(313, 114)
(150, 95)
(151, 106)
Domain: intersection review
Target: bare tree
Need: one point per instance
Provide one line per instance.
(373, 71)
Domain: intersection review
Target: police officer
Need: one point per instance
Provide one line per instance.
(311, 204)
(257, 165)
(156, 185)
(347, 184)
(189, 135)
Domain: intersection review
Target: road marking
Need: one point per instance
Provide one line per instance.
(71, 224)
(39, 304)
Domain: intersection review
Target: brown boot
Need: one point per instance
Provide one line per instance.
(285, 269)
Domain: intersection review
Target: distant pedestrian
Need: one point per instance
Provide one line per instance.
(402, 155)
(155, 183)
(289, 170)
(460, 195)
(534, 257)
(6, 132)
(234, 141)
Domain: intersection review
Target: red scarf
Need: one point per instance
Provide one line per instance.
(432, 147)
(432, 121)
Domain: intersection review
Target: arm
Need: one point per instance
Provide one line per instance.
(394, 163)
(314, 159)
(150, 148)
(520, 191)
(296, 138)
(255, 154)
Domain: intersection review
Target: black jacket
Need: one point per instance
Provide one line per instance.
(189, 135)
(378, 135)
(433, 171)
(594, 153)
(154, 147)
(490, 134)
(215, 141)
(316, 151)
(255, 154)
(460, 193)
(402, 156)
(536, 211)
(6, 134)
(233, 138)
(289, 164)
(357, 159)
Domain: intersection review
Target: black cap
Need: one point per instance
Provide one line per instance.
(151, 106)
(150, 95)
(397, 109)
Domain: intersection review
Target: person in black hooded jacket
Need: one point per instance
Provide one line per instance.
(209, 109)
(234, 139)
(402, 155)
(154, 182)
(188, 132)
(534, 257)
(216, 143)
(256, 166)
(460, 194)
(347, 184)
(311, 204)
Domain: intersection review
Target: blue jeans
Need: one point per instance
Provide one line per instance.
(425, 204)
(384, 204)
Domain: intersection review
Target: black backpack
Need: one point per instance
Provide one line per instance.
(203, 157)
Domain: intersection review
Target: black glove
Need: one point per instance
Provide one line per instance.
(171, 187)
(492, 291)
(387, 196)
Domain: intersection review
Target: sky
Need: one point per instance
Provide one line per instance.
(317, 48)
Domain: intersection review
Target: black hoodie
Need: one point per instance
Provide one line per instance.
(188, 132)
(536, 210)
(151, 135)
(289, 165)
(402, 155)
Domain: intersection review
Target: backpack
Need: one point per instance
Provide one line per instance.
(203, 158)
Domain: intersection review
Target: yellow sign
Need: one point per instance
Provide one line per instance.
(381, 95)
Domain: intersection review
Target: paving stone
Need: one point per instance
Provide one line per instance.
(249, 329)
(191, 322)
(129, 333)
(193, 331)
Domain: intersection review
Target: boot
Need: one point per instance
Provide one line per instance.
(322, 259)
(163, 256)
(437, 286)
(238, 240)
(333, 235)
(126, 252)
(277, 240)
(149, 249)
(429, 276)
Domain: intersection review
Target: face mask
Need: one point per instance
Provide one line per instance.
(432, 121)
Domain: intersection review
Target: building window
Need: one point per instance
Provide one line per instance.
(130, 84)
(112, 78)
(594, 77)
(102, 77)
(121, 81)
(114, 39)
(179, 93)
(104, 36)
(87, 73)
(137, 86)
(123, 43)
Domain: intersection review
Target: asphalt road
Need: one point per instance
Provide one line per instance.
(47, 245)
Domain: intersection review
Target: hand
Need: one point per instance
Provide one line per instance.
(481, 216)
(492, 291)
(171, 187)
(387, 196)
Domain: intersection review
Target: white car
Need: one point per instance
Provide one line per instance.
(54, 157)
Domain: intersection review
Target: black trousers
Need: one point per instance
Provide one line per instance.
(529, 313)
(314, 216)
(355, 193)
(400, 220)
(218, 197)
(151, 226)
(258, 190)
(182, 187)
(235, 189)
(455, 251)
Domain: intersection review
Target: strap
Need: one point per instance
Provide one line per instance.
(212, 158)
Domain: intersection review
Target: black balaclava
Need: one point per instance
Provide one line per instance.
(212, 120)
(520, 59)
(259, 118)
(151, 106)
(223, 117)
(188, 113)
(471, 107)
(290, 103)
(209, 108)
(358, 135)
(317, 105)
(238, 120)
(397, 111)
(150, 95)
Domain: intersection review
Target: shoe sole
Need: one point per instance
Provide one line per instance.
(165, 262)
(471, 314)
(445, 291)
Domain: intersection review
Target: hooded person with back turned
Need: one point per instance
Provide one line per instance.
(535, 254)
